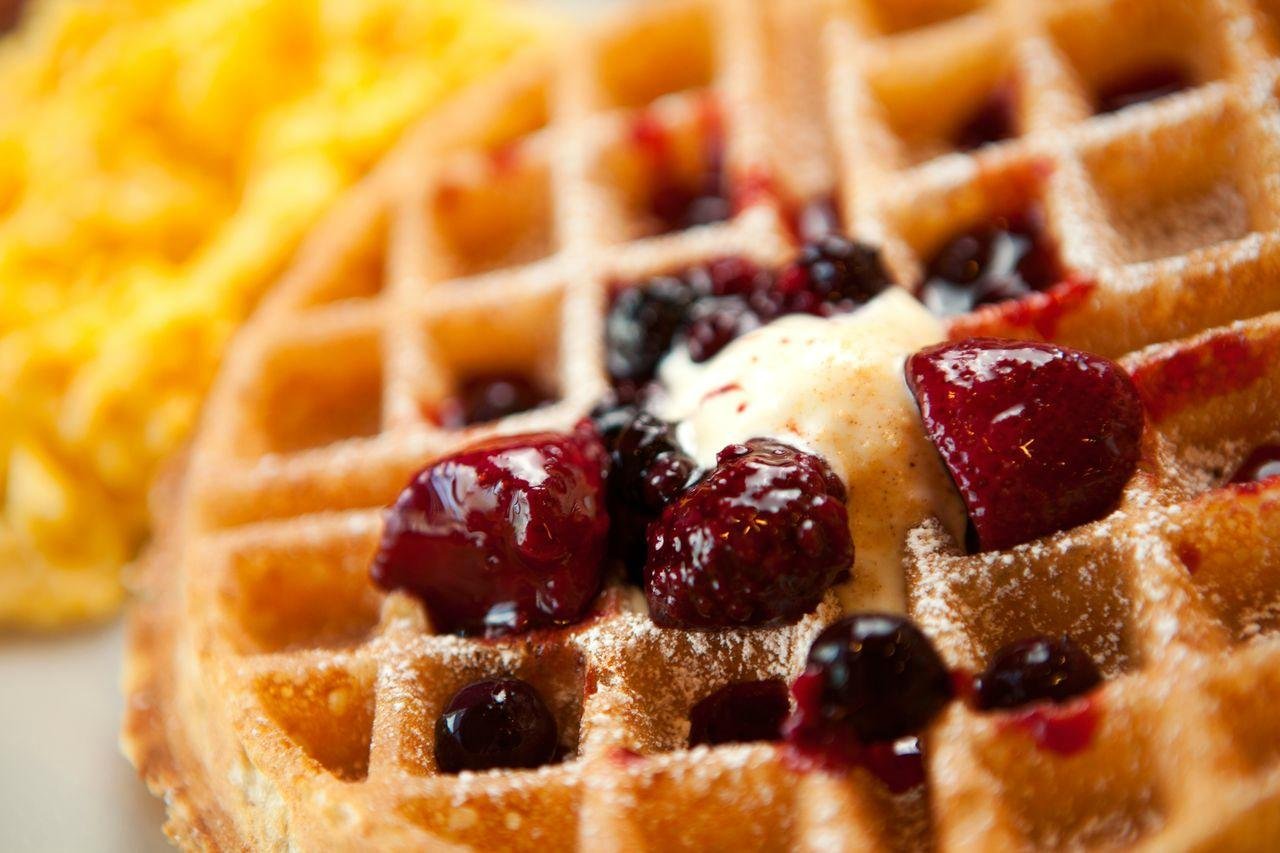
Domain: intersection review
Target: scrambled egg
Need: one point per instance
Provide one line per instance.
(159, 162)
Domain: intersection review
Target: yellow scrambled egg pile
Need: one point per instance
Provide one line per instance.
(159, 162)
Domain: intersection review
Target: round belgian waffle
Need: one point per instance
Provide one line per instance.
(277, 699)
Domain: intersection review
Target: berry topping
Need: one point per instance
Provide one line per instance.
(991, 122)
(647, 471)
(506, 536)
(1006, 258)
(1038, 438)
(755, 542)
(710, 306)
(870, 678)
(832, 275)
(642, 324)
(740, 713)
(1036, 669)
(502, 722)
(1263, 463)
(899, 765)
(1145, 84)
(483, 399)
(678, 201)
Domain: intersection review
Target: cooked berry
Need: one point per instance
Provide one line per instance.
(501, 722)
(482, 399)
(1006, 258)
(1037, 669)
(1038, 438)
(679, 203)
(715, 322)
(647, 471)
(505, 536)
(992, 121)
(729, 276)
(740, 713)
(870, 677)
(755, 542)
(816, 219)
(1142, 85)
(642, 323)
(832, 275)
(1263, 463)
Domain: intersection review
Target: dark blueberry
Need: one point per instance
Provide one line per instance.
(832, 275)
(502, 537)
(1036, 669)
(1142, 85)
(501, 722)
(642, 324)
(1263, 463)
(482, 399)
(1007, 258)
(756, 542)
(647, 471)
(991, 122)
(715, 322)
(740, 713)
(679, 204)
(871, 676)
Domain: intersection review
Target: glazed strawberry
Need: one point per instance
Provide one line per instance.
(1038, 438)
(503, 537)
(755, 542)
(740, 713)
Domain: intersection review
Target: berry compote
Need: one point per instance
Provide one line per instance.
(501, 722)
(756, 542)
(1008, 257)
(1036, 669)
(482, 399)
(992, 121)
(740, 713)
(502, 537)
(1037, 437)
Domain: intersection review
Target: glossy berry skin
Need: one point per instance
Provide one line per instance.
(871, 677)
(1038, 438)
(503, 537)
(1142, 85)
(832, 275)
(740, 713)
(756, 542)
(495, 723)
(1263, 463)
(484, 399)
(1006, 258)
(1036, 669)
(647, 471)
(642, 324)
(716, 322)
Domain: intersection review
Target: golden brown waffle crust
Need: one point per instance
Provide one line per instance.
(276, 700)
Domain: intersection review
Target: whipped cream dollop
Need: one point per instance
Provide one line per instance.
(833, 387)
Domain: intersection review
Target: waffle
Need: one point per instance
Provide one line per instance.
(277, 699)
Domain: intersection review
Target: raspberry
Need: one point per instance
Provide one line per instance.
(756, 542)
(740, 713)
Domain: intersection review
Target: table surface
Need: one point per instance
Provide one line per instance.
(64, 785)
